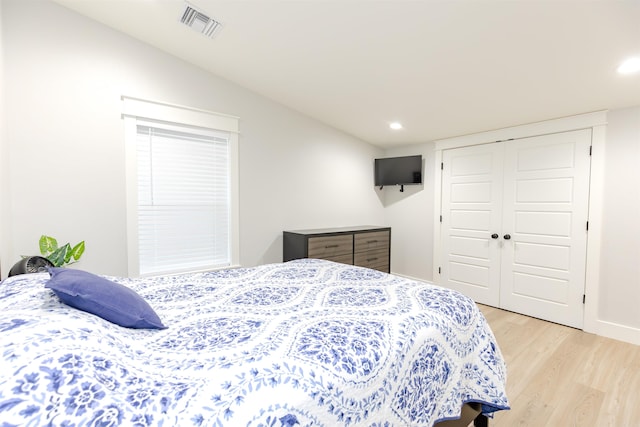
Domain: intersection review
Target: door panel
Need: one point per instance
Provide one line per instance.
(472, 210)
(471, 192)
(543, 288)
(470, 220)
(557, 224)
(469, 275)
(554, 190)
(545, 256)
(470, 247)
(545, 209)
(546, 157)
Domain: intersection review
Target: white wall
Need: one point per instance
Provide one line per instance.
(620, 252)
(63, 76)
(410, 215)
(4, 163)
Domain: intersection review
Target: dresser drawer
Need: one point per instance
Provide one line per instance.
(377, 259)
(326, 247)
(371, 241)
(344, 259)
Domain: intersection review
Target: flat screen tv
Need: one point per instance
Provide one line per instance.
(401, 171)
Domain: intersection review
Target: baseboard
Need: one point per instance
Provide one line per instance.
(616, 331)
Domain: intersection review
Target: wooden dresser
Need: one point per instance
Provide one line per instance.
(365, 246)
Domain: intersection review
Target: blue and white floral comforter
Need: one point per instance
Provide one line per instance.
(303, 343)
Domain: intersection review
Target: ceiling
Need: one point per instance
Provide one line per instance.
(441, 67)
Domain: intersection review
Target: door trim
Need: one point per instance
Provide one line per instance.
(565, 124)
(595, 121)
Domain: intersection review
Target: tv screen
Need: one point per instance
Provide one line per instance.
(398, 170)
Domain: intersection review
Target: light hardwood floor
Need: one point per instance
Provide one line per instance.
(563, 377)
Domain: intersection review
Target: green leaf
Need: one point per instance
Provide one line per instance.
(77, 251)
(67, 254)
(58, 256)
(48, 245)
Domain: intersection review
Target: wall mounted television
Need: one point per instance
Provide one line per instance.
(400, 171)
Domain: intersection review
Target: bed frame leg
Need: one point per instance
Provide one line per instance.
(481, 421)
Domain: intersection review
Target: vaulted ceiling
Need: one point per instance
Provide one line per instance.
(440, 67)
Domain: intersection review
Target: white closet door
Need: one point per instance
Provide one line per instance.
(546, 195)
(471, 214)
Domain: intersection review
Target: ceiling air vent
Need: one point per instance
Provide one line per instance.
(200, 22)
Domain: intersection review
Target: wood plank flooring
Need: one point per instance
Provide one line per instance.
(563, 377)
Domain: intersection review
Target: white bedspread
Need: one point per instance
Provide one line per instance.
(303, 343)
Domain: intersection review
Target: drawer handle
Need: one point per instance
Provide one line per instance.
(372, 241)
(371, 259)
(331, 246)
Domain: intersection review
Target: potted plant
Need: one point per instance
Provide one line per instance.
(53, 255)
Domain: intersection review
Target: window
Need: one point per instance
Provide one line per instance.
(182, 189)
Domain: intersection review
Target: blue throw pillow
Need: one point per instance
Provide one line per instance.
(111, 301)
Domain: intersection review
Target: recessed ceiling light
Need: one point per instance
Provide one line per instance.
(395, 125)
(630, 66)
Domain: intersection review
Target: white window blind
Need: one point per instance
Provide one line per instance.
(184, 200)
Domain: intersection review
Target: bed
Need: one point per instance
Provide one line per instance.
(302, 343)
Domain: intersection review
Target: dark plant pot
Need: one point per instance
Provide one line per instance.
(32, 264)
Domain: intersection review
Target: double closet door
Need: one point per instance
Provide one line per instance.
(514, 224)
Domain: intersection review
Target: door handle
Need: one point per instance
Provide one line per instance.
(494, 236)
(507, 236)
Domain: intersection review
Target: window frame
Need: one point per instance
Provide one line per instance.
(135, 110)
